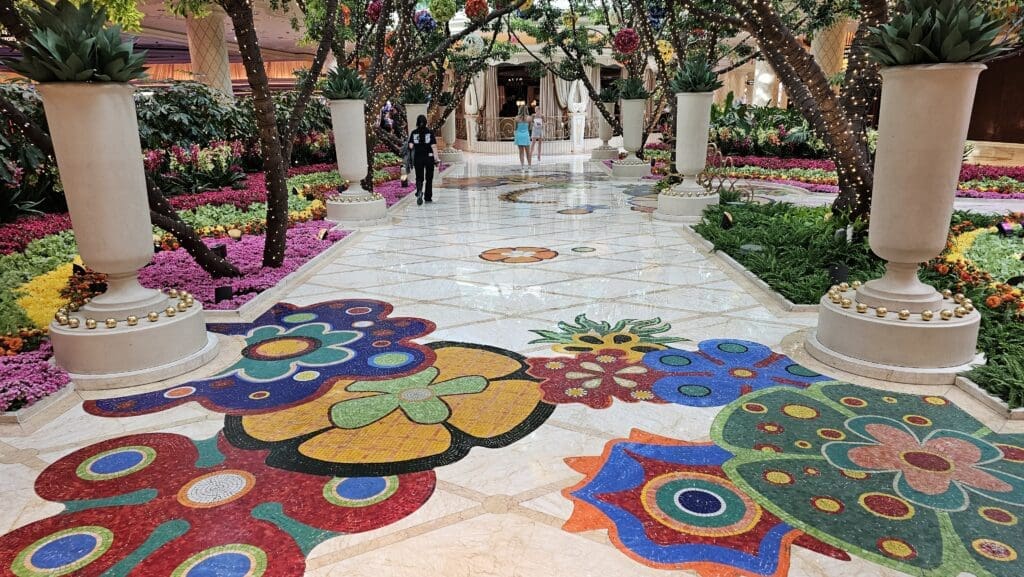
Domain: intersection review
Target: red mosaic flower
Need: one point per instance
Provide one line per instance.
(183, 507)
(593, 379)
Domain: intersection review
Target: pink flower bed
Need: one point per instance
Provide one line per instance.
(27, 377)
(773, 163)
(393, 191)
(176, 269)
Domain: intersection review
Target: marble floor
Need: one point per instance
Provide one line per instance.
(527, 377)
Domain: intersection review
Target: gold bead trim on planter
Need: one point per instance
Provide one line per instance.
(361, 198)
(185, 302)
(836, 294)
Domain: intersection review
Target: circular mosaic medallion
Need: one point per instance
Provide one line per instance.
(235, 560)
(518, 254)
(390, 360)
(179, 392)
(699, 504)
(63, 552)
(116, 463)
(281, 348)
(216, 489)
(299, 318)
(584, 249)
(360, 491)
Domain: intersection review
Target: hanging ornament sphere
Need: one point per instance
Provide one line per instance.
(373, 10)
(477, 9)
(425, 22)
(442, 10)
(626, 41)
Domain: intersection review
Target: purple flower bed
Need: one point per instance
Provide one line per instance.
(27, 377)
(393, 191)
(176, 269)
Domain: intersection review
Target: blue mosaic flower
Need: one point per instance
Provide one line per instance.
(722, 370)
(293, 354)
(668, 504)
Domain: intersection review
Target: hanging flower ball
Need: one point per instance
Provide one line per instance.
(473, 45)
(443, 10)
(656, 10)
(477, 9)
(425, 22)
(569, 19)
(373, 10)
(626, 41)
(346, 14)
(668, 54)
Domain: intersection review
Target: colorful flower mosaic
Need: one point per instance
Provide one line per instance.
(292, 354)
(911, 482)
(594, 379)
(472, 395)
(634, 338)
(163, 504)
(722, 370)
(518, 254)
(668, 504)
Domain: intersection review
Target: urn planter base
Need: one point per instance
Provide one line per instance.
(358, 210)
(604, 153)
(126, 356)
(631, 167)
(685, 203)
(912, 351)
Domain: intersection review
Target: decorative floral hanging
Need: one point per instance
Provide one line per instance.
(443, 10)
(626, 41)
(373, 10)
(346, 14)
(425, 22)
(477, 9)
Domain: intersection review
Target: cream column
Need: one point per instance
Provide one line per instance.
(208, 50)
(766, 84)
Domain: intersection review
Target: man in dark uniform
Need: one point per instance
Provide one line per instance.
(423, 145)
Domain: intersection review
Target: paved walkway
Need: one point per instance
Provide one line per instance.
(527, 377)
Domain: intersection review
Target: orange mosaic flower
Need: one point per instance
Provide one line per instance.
(518, 254)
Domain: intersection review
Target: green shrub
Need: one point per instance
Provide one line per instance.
(28, 178)
(186, 113)
(743, 129)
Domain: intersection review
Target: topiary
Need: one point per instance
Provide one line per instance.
(345, 84)
(72, 44)
(696, 75)
(935, 31)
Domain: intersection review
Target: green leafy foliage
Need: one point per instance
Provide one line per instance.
(345, 84)
(632, 89)
(609, 94)
(28, 178)
(696, 75)
(930, 31)
(744, 129)
(186, 113)
(71, 43)
(415, 93)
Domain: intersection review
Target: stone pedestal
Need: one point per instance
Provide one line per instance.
(605, 131)
(449, 154)
(577, 128)
(632, 140)
(110, 342)
(356, 207)
(208, 51)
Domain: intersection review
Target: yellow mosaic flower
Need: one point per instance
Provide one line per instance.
(631, 345)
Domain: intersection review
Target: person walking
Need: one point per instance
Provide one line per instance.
(522, 136)
(537, 136)
(423, 146)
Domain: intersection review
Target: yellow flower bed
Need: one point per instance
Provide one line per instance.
(41, 295)
(963, 243)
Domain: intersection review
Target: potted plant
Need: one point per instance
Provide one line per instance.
(634, 104)
(694, 84)
(83, 69)
(609, 96)
(347, 93)
(932, 54)
(416, 100)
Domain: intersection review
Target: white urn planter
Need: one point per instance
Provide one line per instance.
(412, 111)
(897, 327)
(605, 131)
(449, 154)
(356, 207)
(686, 201)
(632, 140)
(96, 141)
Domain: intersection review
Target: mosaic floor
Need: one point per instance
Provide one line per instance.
(528, 377)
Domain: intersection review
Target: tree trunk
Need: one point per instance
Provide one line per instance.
(305, 89)
(241, 15)
(162, 214)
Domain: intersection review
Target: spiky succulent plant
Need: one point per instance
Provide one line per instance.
(609, 94)
(696, 75)
(936, 31)
(345, 84)
(632, 89)
(415, 93)
(72, 43)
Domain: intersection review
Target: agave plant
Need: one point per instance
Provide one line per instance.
(646, 331)
(632, 89)
(696, 75)
(415, 93)
(72, 43)
(345, 84)
(609, 94)
(930, 31)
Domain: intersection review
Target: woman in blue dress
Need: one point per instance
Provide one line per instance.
(523, 136)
